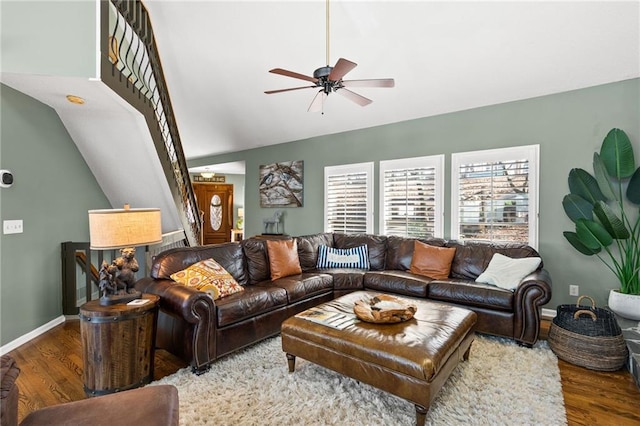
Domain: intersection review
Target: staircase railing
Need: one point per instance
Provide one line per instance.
(81, 265)
(131, 66)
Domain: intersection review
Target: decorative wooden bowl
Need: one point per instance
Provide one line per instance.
(384, 309)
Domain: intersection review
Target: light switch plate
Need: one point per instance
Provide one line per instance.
(12, 227)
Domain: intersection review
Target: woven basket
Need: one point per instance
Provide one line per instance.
(590, 338)
(589, 321)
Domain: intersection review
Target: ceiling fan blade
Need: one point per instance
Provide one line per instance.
(374, 82)
(342, 67)
(317, 102)
(359, 99)
(288, 73)
(269, 92)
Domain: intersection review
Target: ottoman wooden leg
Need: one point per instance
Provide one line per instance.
(421, 415)
(291, 360)
(466, 354)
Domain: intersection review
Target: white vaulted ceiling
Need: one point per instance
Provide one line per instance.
(445, 56)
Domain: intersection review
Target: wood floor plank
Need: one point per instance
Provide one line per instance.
(51, 373)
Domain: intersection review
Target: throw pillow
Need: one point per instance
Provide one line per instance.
(431, 261)
(283, 258)
(208, 276)
(506, 272)
(356, 257)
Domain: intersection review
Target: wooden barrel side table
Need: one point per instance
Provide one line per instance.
(118, 345)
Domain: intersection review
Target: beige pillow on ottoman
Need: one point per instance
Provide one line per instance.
(431, 261)
(283, 258)
(208, 276)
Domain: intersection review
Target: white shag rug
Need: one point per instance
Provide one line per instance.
(501, 384)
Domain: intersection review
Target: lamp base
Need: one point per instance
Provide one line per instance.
(115, 299)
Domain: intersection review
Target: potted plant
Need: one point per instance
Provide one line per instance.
(607, 222)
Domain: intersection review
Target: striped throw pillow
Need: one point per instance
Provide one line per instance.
(356, 257)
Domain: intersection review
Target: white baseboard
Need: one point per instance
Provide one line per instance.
(548, 313)
(31, 335)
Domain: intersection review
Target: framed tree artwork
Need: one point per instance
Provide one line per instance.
(281, 184)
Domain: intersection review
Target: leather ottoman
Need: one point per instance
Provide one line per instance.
(411, 359)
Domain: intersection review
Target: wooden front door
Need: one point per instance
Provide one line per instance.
(215, 202)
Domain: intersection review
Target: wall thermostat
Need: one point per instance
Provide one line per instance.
(6, 178)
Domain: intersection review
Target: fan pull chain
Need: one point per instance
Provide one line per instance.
(327, 32)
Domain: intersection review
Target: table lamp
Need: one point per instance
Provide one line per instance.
(122, 229)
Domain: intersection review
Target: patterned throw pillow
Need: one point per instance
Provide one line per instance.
(208, 276)
(356, 257)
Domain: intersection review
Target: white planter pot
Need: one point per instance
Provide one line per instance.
(625, 305)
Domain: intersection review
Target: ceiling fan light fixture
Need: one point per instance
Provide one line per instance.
(329, 79)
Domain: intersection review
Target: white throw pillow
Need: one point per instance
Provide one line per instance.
(506, 272)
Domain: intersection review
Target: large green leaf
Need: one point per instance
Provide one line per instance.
(611, 222)
(602, 177)
(572, 237)
(577, 207)
(581, 183)
(633, 190)
(592, 234)
(617, 154)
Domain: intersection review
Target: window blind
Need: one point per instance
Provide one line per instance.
(493, 200)
(346, 202)
(409, 201)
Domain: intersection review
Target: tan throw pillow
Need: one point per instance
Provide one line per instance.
(283, 258)
(431, 261)
(208, 276)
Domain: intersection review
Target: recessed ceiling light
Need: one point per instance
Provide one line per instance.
(75, 99)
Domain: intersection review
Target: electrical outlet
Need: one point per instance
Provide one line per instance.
(12, 226)
(574, 290)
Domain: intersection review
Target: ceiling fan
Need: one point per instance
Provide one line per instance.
(329, 79)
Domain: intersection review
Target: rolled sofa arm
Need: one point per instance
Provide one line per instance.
(190, 306)
(532, 293)
(176, 299)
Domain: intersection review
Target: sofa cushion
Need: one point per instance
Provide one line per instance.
(302, 286)
(255, 251)
(472, 257)
(431, 261)
(400, 251)
(308, 249)
(227, 255)
(346, 278)
(506, 272)
(376, 245)
(255, 300)
(399, 282)
(283, 258)
(463, 292)
(208, 276)
(355, 257)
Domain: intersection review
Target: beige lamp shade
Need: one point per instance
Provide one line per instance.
(118, 228)
(240, 212)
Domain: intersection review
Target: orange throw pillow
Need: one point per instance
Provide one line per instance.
(431, 261)
(283, 258)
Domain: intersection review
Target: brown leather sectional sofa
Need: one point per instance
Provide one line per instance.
(200, 330)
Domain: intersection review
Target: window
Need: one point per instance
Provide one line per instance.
(494, 195)
(411, 197)
(348, 205)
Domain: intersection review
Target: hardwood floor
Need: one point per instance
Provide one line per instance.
(51, 373)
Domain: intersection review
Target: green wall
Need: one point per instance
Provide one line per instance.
(52, 191)
(568, 126)
(65, 43)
